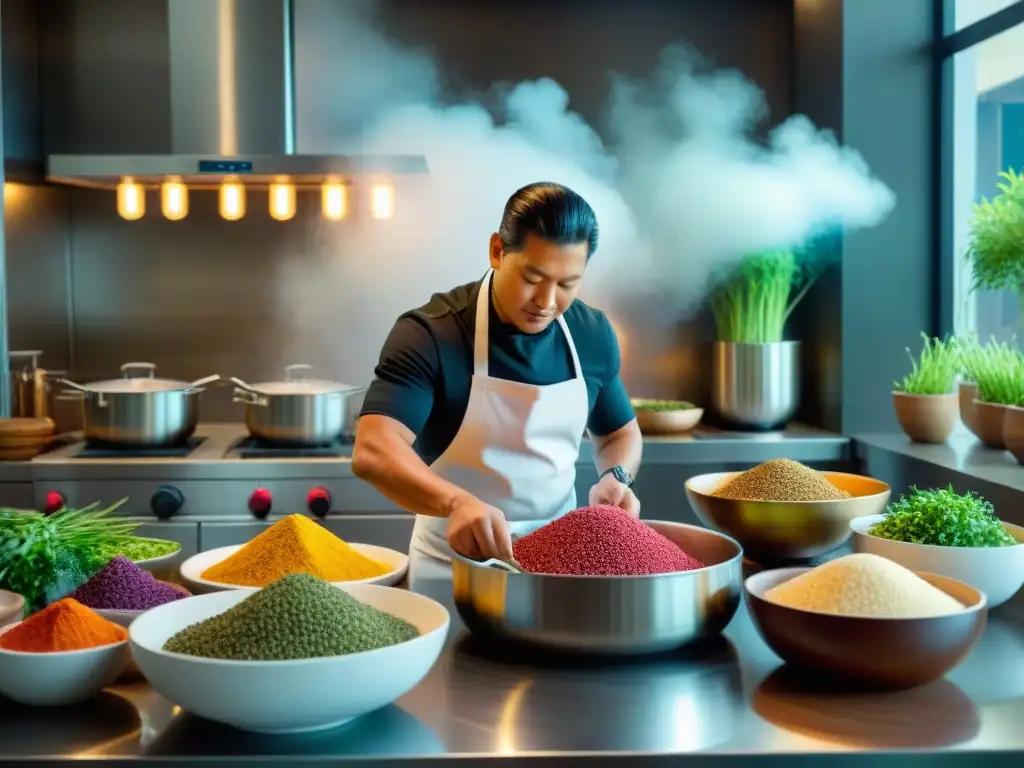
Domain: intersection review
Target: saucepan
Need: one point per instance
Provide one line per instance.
(300, 410)
(140, 411)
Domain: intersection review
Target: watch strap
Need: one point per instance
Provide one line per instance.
(621, 474)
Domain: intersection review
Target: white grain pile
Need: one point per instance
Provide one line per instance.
(867, 586)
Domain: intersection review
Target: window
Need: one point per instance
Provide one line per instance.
(987, 128)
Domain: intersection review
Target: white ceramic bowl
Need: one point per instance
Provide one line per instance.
(192, 569)
(996, 571)
(61, 678)
(158, 562)
(12, 606)
(287, 696)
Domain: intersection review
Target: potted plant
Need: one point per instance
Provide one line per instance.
(755, 371)
(967, 388)
(996, 250)
(926, 401)
(998, 371)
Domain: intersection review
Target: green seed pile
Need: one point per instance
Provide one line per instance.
(780, 480)
(296, 617)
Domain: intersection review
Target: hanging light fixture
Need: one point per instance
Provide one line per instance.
(334, 200)
(232, 200)
(382, 201)
(282, 200)
(131, 199)
(174, 199)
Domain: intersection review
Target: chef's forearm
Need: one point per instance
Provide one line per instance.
(622, 448)
(388, 462)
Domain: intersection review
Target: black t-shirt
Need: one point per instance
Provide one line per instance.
(426, 366)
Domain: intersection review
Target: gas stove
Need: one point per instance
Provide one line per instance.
(221, 473)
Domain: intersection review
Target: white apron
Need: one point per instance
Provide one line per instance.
(516, 450)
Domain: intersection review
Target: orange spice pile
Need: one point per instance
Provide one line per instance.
(66, 625)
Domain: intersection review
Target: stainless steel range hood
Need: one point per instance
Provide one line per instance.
(232, 110)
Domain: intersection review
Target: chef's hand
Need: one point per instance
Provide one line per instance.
(613, 493)
(478, 531)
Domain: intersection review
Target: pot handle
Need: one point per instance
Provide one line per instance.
(248, 397)
(290, 370)
(240, 384)
(198, 384)
(151, 367)
(101, 401)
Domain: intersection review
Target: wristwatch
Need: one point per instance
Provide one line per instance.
(621, 474)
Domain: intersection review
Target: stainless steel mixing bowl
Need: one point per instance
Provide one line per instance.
(608, 614)
(787, 530)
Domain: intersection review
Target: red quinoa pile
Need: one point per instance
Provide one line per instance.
(600, 541)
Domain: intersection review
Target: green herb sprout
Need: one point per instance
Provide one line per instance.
(934, 373)
(998, 370)
(752, 304)
(996, 252)
(45, 557)
(943, 518)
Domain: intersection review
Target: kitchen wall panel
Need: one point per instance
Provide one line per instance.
(207, 296)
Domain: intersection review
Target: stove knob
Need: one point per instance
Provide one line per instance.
(166, 502)
(260, 503)
(54, 502)
(319, 502)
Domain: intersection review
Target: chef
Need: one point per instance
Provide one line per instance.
(482, 396)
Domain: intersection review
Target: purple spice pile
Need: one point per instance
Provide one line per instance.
(121, 585)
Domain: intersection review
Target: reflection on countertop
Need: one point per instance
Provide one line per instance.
(728, 696)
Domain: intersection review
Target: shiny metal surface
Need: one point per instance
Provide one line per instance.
(729, 702)
(779, 530)
(639, 614)
(140, 412)
(232, 97)
(756, 385)
(298, 411)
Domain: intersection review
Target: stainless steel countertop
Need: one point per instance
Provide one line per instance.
(214, 459)
(729, 703)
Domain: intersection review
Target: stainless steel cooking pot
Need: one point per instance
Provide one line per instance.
(300, 410)
(140, 411)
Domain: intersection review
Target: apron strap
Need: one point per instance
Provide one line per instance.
(481, 337)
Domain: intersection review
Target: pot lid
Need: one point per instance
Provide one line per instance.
(140, 384)
(301, 387)
(299, 381)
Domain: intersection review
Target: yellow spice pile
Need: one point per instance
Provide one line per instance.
(780, 480)
(293, 544)
(864, 585)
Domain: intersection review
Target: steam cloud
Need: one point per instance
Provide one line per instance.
(680, 189)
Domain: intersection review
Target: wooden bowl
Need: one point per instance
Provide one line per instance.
(889, 654)
(674, 422)
(22, 439)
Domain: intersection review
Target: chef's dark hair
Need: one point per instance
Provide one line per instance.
(551, 211)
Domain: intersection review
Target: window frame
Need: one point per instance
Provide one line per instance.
(949, 42)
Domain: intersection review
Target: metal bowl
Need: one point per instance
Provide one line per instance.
(787, 530)
(618, 615)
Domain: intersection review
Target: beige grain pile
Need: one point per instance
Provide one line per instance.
(780, 480)
(867, 586)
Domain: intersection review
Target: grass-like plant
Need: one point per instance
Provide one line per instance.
(934, 371)
(753, 302)
(996, 251)
(998, 370)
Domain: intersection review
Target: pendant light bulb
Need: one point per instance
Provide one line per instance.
(232, 200)
(282, 200)
(131, 199)
(334, 200)
(382, 201)
(174, 199)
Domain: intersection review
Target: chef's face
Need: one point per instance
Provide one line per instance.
(535, 285)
